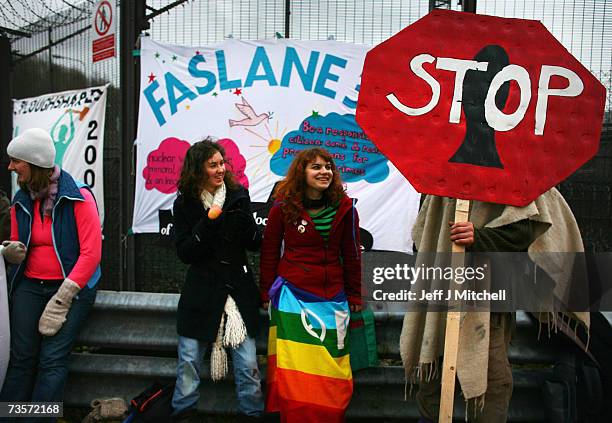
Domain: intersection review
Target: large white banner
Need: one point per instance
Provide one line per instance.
(75, 120)
(265, 101)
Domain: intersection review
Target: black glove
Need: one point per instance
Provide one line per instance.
(206, 227)
(243, 221)
(246, 228)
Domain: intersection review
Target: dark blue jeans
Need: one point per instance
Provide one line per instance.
(38, 366)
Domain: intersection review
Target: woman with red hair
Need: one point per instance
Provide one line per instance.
(310, 278)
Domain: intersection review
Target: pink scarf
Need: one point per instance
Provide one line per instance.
(49, 194)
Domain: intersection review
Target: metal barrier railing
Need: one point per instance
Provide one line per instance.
(131, 339)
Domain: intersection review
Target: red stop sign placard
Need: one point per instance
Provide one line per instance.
(480, 107)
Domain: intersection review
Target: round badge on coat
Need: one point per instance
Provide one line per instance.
(304, 222)
(301, 229)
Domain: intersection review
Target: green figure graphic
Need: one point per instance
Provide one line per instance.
(62, 132)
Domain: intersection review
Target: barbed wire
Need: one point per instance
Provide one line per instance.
(29, 10)
(33, 16)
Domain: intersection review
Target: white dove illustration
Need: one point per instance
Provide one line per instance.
(252, 118)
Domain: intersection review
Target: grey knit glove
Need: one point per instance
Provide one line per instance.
(107, 409)
(57, 308)
(14, 251)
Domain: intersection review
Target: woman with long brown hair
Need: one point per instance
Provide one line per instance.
(219, 304)
(310, 278)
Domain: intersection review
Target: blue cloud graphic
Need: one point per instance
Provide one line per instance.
(355, 155)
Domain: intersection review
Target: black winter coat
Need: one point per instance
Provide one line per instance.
(215, 250)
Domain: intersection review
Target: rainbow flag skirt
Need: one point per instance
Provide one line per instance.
(309, 375)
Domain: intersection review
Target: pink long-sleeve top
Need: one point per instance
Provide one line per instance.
(41, 260)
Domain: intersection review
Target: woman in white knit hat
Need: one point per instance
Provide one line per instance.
(55, 249)
(219, 302)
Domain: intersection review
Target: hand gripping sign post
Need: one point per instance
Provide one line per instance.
(479, 108)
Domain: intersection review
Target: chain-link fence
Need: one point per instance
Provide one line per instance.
(583, 27)
(67, 65)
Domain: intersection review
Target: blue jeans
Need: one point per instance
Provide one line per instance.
(246, 374)
(38, 366)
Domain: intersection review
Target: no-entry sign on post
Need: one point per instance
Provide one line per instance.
(480, 107)
(103, 30)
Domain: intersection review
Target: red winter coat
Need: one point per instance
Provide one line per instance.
(308, 262)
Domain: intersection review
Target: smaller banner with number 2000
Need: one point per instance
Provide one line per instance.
(75, 120)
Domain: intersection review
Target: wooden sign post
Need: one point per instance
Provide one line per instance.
(451, 340)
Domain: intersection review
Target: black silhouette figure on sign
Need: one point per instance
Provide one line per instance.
(478, 146)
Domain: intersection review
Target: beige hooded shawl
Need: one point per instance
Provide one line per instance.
(422, 337)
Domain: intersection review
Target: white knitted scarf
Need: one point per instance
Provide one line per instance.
(232, 330)
(216, 199)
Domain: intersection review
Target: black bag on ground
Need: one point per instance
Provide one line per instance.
(559, 391)
(574, 393)
(153, 405)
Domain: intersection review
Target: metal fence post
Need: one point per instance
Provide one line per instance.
(469, 6)
(50, 56)
(6, 110)
(287, 17)
(129, 107)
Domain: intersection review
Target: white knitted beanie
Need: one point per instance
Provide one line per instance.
(34, 146)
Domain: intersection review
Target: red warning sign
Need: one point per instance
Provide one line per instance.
(103, 18)
(103, 34)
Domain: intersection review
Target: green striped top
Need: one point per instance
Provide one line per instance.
(323, 220)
